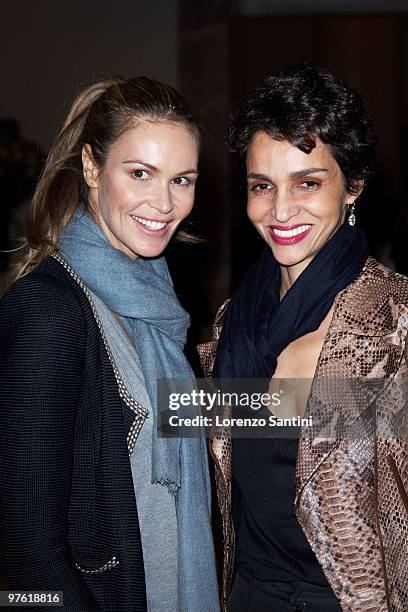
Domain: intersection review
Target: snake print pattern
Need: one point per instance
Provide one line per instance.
(352, 494)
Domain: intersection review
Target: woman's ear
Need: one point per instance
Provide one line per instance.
(357, 189)
(89, 167)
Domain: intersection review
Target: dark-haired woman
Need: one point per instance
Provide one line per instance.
(320, 523)
(93, 503)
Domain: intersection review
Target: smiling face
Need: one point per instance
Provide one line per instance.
(296, 200)
(146, 187)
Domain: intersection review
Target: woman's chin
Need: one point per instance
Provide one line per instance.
(287, 256)
(146, 249)
(151, 252)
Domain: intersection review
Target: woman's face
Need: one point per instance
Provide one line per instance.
(146, 187)
(296, 200)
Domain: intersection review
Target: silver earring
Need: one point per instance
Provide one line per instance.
(352, 217)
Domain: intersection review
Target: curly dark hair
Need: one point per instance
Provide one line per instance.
(301, 103)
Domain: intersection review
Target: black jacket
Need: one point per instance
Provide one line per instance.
(67, 505)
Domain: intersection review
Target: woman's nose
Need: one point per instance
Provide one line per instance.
(162, 200)
(284, 208)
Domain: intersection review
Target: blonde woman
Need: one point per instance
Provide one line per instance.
(93, 503)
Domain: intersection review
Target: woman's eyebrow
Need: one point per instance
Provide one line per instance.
(139, 161)
(260, 177)
(151, 167)
(192, 171)
(306, 172)
(293, 175)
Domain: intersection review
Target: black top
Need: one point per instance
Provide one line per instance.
(271, 545)
(66, 488)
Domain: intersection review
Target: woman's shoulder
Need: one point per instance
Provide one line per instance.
(46, 293)
(377, 277)
(375, 303)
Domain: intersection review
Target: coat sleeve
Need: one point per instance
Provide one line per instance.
(42, 350)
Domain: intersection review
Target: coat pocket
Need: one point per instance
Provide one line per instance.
(397, 477)
(99, 570)
(92, 562)
(96, 564)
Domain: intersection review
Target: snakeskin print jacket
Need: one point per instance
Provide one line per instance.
(351, 494)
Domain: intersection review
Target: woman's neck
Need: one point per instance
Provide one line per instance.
(289, 275)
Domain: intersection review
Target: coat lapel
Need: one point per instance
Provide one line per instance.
(360, 355)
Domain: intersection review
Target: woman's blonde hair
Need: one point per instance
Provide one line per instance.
(98, 117)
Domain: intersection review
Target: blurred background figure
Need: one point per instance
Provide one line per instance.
(20, 166)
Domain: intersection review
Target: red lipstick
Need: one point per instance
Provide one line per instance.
(288, 234)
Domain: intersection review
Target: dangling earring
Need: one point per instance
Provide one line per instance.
(352, 217)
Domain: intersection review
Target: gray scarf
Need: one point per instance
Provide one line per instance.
(141, 293)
